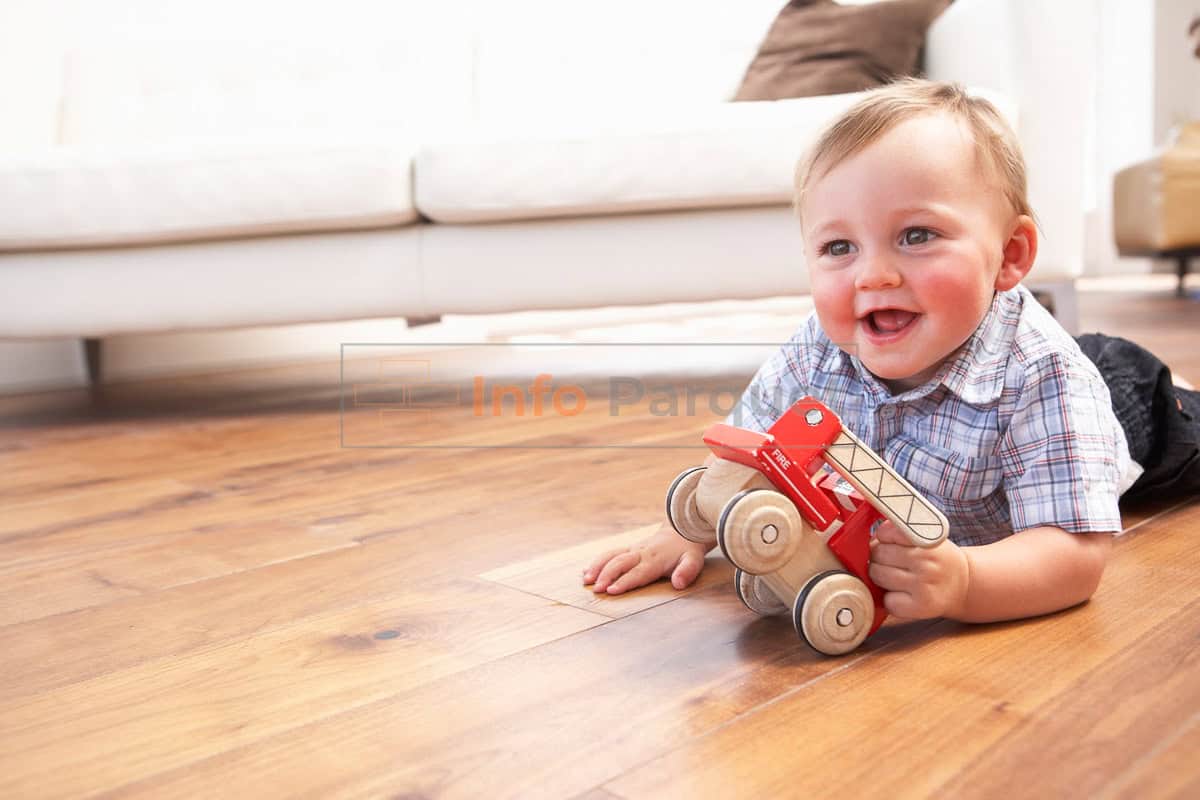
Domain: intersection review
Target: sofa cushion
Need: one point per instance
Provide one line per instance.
(72, 197)
(410, 86)
(726, 156)
(817, 47)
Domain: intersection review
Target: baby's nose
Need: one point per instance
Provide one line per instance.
(876, 272)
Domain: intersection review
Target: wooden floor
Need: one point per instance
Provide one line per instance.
(203, 592)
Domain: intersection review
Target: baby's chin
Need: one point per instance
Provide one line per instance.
(904, 373)
(900, 378)
(894, 369)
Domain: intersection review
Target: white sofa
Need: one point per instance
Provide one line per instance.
(461, 166)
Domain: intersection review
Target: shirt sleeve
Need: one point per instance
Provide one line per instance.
(1064, 452)
(777, 385)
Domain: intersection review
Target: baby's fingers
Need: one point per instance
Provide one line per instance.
(687, 570)
(888, 533)
(891, 578)
(901, 605)
(593, 569)
(641, 574)
(615, 568)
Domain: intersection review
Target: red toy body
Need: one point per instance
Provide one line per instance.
(829, 487)
(792, 470)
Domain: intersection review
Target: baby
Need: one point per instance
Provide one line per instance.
(917, 233)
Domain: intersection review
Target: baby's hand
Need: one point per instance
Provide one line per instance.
(921, 582)
(664, 553)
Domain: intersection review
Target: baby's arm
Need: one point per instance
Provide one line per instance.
(1029, 573)
(1033, 572)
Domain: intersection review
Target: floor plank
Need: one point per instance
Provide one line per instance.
(87, 643)
(930, 716)
(552, 721)
(1168, 770)
(203, 591)
(1074, 745)
(79, 580)
(555, 575)
(82, 738)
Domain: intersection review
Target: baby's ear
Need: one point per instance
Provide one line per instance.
(1019, 252)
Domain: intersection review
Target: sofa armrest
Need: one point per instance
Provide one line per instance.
(1042, 56)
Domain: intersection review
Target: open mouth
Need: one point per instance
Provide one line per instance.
(889, 322)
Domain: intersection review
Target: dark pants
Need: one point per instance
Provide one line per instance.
(1161, 421)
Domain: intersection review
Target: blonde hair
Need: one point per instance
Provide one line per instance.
(884, 108)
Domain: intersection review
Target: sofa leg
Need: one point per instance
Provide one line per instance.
(91, 357)
(414, 322)
(1181, 271)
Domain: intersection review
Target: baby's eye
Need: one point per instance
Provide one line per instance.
(918, 235)
(838, 247)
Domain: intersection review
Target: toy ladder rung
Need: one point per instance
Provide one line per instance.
(888, 492)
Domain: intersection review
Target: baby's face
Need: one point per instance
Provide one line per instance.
(904, 242)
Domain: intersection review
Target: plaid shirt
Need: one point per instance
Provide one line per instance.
(1015, 431)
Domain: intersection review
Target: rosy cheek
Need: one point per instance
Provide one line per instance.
(952, 287)
(833, 298)
(837, 320)
(944, 282)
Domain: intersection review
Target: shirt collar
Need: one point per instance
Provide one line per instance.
(976, 374)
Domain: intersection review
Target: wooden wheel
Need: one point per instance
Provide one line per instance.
(755, 595)
(759, 530)
(834, 613)
(682, 510)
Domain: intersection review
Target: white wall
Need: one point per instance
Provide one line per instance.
(1177, 70)
(1147, 81)
(1176, 77)
(1123, 129)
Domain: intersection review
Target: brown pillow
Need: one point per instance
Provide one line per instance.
(820, 47)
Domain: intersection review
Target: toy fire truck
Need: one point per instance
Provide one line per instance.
(794, 510)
